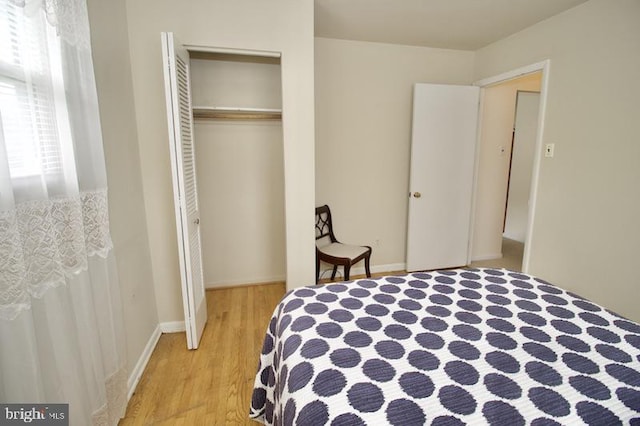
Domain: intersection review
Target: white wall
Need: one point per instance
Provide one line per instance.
(494, 152)
(586, 231)
(284, 26)
(241, 194)
(241, 81)
(363, 132)
(110, 48)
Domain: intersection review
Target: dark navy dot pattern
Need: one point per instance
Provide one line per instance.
(365, 397)
(502, 386)
(462, 372)
(417, 385)
(430, 340)
(401, 412)
(378, 370)
(328, 382)
(450, 347)
(502, 413)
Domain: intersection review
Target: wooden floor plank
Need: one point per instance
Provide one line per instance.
(211, 385)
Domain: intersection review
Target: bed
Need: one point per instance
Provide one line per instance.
(451, 347)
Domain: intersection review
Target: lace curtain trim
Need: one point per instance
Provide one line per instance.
(114, 409)
(42, 243)
(68, 17)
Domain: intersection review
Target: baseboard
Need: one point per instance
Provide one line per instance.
(359, 270)
(172, 327)
(238, 283)
(487, 257)
(136, 374)
(515, 237)
(391, 267)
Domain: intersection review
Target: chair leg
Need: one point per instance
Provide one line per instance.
(347, 269)
(366, 266)
(333, 273)
(317, 269)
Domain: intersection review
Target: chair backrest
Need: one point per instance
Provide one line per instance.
(324, 226)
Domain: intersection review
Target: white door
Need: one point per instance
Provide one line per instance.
(443, 142)
(185, 190)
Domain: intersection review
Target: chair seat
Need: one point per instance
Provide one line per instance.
(343, 250)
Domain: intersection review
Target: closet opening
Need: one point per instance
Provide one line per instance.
(239, 156)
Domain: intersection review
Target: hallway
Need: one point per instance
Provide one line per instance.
(512, 252)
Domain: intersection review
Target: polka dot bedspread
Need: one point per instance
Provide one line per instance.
(474, 346)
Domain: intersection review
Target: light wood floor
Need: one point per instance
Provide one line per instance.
(211, 385)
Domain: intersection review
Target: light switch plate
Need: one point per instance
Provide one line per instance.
(548, 150)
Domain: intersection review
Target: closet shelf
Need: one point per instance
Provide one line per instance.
(230, 113)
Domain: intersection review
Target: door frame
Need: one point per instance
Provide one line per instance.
(544, 68)
(204, 52)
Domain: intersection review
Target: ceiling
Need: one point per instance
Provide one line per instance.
(449, 24)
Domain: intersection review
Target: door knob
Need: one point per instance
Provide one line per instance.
(197, 221)
(417, 195)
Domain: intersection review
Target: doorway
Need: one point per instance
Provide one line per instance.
(237, 101)
(520, 165)
(491, 222)
(214, 76)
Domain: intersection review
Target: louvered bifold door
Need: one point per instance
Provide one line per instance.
(185, 188)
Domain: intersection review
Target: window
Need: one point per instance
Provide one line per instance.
(32, 102)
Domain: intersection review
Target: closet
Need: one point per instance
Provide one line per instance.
(237, 124)
(227, 170)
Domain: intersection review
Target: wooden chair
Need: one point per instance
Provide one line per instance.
(330, 250)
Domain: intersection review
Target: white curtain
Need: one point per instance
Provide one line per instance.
(61, 330)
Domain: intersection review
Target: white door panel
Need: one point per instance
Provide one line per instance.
(443, 145)
(185, 188)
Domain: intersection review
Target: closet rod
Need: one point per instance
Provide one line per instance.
(247, 52)
(237, 113)
(239, 109)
